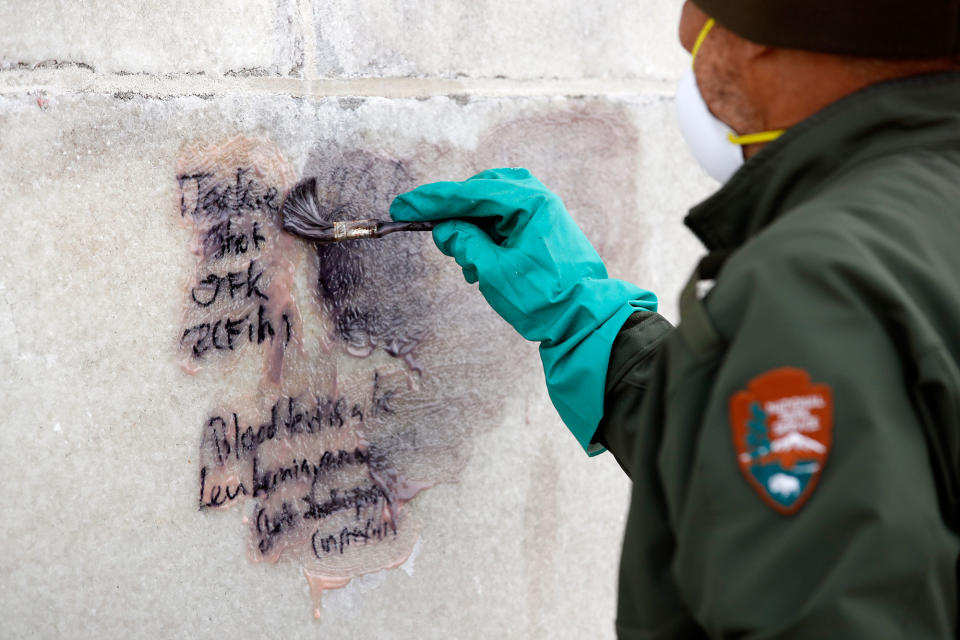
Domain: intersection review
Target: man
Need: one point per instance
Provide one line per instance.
(794, 442)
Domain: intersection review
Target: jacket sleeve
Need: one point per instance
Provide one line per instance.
(867, 554)
(628, 375)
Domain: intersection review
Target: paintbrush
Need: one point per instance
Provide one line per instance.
(303, 216)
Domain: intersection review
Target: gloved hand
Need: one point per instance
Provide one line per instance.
(540, 273)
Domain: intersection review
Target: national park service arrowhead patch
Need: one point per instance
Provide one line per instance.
(782, 432)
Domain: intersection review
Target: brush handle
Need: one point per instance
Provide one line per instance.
(384, 228)
(358, 229)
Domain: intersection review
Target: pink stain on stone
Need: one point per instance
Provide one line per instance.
(324, 445)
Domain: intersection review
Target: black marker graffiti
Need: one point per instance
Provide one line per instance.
(206, 196)
(229, 436)
(327, 544)
(231, 299)
(267, 481)
(227, 239)
(230, 441)
(366, 502)
(224, 334)
(237, 284)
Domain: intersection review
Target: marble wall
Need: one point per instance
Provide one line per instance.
(145, 149)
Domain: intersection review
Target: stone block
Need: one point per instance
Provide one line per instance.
(499, 38)
(177, 36)
(109, 208)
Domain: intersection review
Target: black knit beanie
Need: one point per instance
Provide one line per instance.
(871, 28)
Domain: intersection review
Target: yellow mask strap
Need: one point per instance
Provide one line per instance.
(750, 138)
(700, 38)
(755, 138)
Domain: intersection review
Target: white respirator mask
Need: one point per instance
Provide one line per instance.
(718, 149)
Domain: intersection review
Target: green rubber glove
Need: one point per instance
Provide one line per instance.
(540, 273)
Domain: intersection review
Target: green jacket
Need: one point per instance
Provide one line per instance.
(821, 500)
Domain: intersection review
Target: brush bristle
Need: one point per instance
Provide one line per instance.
(301, 211)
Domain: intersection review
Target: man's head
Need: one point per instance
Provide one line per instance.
(768, 65)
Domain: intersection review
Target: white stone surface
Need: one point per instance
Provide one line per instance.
(174, 36)
(100, 427)
(606, 39)
(490, 38)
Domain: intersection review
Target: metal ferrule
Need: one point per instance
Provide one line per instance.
(354, 229)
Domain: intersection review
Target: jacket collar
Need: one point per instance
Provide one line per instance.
(918, 111)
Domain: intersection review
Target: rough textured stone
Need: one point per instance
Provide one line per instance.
(176, 36)
(610, 39)
(491, 38)
(101, 427)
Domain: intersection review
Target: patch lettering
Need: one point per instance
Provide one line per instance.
(782, 429)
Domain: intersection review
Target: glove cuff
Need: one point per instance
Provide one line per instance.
(576, 369)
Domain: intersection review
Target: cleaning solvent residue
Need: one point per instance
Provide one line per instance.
(338, 387)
